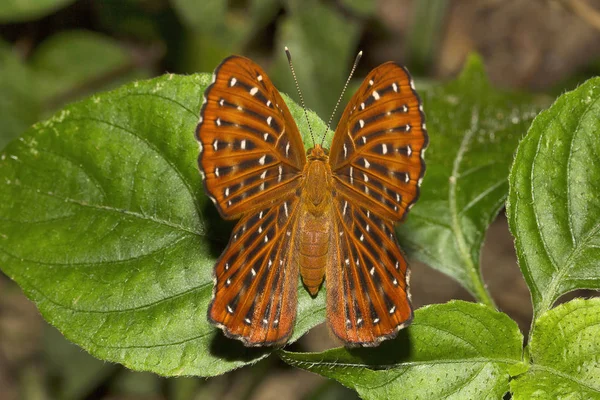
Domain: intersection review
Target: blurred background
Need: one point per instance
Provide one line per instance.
(53, 52)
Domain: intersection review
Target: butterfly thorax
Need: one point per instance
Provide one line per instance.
(317, 180)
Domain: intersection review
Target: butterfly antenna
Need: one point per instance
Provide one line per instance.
(358, 56)
(289, 57)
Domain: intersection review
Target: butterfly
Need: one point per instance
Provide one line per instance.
(325, 214)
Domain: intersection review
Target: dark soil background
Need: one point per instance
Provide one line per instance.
(541, 46)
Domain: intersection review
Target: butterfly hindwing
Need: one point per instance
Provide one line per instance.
(367, 288)
(251, 150)
(377, 149)
(256, 278)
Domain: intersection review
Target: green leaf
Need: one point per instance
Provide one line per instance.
(554, 201)
(26, 10)
(105, 225)
(473, 132)
(565, 352)
(205, 16)
(71, 64)
(365, 8)
(457, 350)
(322, 43)
(19, 104)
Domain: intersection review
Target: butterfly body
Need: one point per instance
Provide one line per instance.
(315, 222)
(322, 215)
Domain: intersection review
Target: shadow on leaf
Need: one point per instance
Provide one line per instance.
(219, 230)
(388, 353)
(234, 350)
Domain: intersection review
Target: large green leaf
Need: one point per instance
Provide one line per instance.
(473, 132)
(565, 354)
(25, 10)
(104, 224)
(457, 350)
(554, 202)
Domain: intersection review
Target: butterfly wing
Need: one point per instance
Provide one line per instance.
(377, 166)
(251, 158)
(256, 278)
(376, 154)
(251, 152)
(367, 287)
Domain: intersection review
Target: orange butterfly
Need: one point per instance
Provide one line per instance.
(324, 214)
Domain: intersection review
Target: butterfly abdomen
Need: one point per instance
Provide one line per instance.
(314, 250)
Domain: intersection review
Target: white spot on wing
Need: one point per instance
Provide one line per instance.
(259, 78)
(395, 87)
(384, 149)
(269, 119)
(361, 123)
(253, 91)
(261, 160)
(232, 82)
(375, 95)
(243, 144)
(371, 82)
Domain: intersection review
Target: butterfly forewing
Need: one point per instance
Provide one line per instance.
(251, 150)
(377, 165)
(376, 154)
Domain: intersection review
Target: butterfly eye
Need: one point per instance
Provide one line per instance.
(326, 151)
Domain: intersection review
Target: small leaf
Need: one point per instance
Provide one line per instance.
(554, 201)
(456, 350)
(565, 352)
(71, 64)
(26, 10)
(473, 132)
(323, 42)
(105, 225)
(19, 104)
(205, 16)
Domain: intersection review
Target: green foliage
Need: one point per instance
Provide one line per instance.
(565, 351)
(65, 67)
(322, 38)
(26, 10)
(104, 223)
(554, 203)
(473, 131)
(19, 105)
(81, 62)
(457, 350)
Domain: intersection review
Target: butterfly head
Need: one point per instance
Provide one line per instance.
(317, 153)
